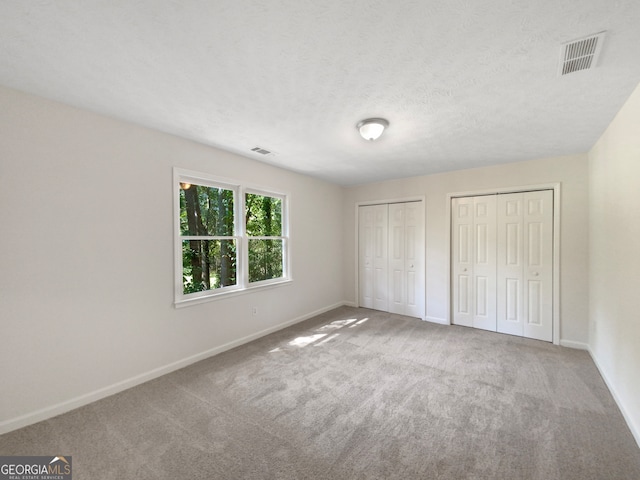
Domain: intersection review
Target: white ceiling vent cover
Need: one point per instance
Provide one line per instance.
(581, 54)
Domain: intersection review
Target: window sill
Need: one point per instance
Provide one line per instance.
(231, 293)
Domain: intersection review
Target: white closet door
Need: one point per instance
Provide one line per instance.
(538, 265)
(484, 262)
(525, 264)
(365, 254)
(474, 261)
(414, 259)
(510, 266)
(406, 259)
(397, 284)
(462, 260)
(372, 251)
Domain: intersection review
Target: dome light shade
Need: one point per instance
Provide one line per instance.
(372, 128)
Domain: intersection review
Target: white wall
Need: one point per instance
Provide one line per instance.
(570, 171)
(614, 258)
(86, 257)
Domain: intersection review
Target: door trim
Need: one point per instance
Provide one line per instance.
(557, 200)
(416, 198)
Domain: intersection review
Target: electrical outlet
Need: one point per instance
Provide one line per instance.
(254, 311)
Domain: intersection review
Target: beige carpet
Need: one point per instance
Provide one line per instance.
(355, 394)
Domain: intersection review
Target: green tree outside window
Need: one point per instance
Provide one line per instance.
(209, 259)
(265, 236)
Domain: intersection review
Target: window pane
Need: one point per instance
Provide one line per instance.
(205, 210)
(264, 215)
(265, 259)
(208, 264)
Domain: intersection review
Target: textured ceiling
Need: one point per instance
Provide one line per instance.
(463, 83)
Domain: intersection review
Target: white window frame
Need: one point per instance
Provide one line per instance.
(284, 235)
(239, 189)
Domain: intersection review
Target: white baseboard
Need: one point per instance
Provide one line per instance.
(79, 401)
(635, 431)
(572, 344)
(441, 321)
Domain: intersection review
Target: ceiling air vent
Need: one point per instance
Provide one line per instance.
(580, 54)
(261, 151)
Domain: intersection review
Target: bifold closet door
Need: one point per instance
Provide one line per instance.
(406, 259)
(474, 261)
(525, 264)
(391, 258)
(373, 256)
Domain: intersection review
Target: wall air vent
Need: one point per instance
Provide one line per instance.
(262, 151)
(581, 54)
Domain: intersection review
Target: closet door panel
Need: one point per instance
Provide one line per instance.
(484, 262)
(381, 258)
(462, 260)
(414, 276)
(538, 264)
(510, 285)
(397, 250)
(372, 257)
(411, 266)
(366, 254)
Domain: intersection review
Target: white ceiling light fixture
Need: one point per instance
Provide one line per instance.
(372, 128)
